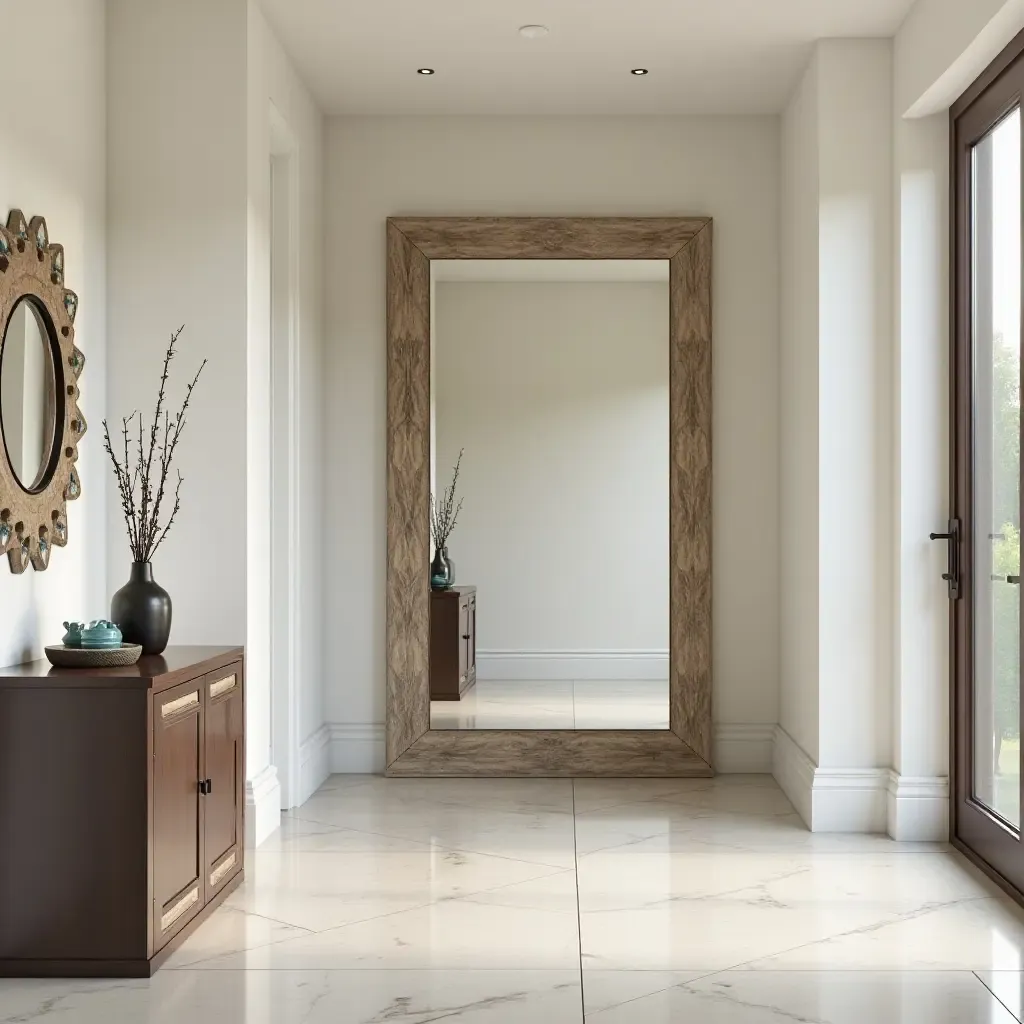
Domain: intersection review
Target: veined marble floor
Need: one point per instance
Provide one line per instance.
(558, 704)
(554, 902)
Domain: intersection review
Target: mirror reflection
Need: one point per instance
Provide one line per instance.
(549, 412)
(27, 394)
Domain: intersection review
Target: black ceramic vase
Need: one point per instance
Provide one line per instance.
(141, 609)
(442, 570)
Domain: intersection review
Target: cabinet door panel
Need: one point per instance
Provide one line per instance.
(225, 772)
(463, 642)
(178, 847)
(472, 637)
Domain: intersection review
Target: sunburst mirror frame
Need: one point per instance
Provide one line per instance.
(33, 522)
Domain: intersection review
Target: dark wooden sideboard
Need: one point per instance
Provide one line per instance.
(122, 809)
(452, 642)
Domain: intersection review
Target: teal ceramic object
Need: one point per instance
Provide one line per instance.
(101, 635)
(73, 636)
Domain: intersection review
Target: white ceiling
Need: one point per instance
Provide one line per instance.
(705, 56)
(549, 270)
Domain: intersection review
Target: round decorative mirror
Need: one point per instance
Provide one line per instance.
(40, 422)
(28, 410)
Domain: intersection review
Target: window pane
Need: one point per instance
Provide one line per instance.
(996, 266)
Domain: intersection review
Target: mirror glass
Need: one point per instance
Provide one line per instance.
(551, 378)
(27, 394)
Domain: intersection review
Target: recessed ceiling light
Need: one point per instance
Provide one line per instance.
(639, 71)
(533, 31)
(424, 71)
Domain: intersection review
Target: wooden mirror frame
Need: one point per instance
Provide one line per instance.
(33, 522)
(413, 748)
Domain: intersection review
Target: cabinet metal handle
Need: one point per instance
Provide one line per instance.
(465, 636)
(205, 786)
(209, 786)
(1013, 579)
(202, 786)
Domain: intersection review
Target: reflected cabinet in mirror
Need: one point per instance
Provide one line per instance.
(40, 422)
(549, 496)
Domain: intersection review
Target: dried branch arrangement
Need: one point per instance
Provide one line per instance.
(444, 513)
(143, 470)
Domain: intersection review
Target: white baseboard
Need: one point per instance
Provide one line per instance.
(262, 806)
(356, 749)
(570, 665)
(314, 763)
(861, 799)
(794, 772)
(918, 808)
(740, 749)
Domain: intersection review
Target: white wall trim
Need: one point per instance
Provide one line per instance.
(314, 763)
(742, 748)
(262, 806)
(910, 809)
(918, 808)
(356, 749)
(572, 665)
(794, 772)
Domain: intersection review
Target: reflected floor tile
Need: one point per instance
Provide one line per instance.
(1008, 987)
(741, 997)
(530, 926)
(507, 704)
(312, 997)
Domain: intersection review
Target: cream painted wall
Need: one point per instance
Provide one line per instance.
(942, 47)
(54, 164)
(855, 402)
(798, 387)
(727, 168)
(274, 86)
(558, 392)
(837, 402)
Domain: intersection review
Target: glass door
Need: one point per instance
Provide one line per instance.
(984, 536)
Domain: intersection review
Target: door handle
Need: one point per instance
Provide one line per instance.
(952, 573)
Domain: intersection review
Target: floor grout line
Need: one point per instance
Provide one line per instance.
(988, 988)
(579, 909)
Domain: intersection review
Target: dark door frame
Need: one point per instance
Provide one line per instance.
(975, 830)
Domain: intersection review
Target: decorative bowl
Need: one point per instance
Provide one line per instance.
(95, 657)
(101, 634)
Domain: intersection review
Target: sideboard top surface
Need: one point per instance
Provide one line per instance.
(155, 672)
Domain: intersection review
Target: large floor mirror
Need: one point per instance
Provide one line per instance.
(549, 496)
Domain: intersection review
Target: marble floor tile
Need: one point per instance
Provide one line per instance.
(303, 997)
(507, 704)
(822, 997)
(317, 891)
(229, 930)
(528, 926)
(521, 819)
(532, 901)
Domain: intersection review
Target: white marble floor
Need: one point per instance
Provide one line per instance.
(557, 704)
(553, 902)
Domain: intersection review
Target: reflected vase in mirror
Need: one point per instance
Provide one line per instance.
(142, 610)
(442, 570)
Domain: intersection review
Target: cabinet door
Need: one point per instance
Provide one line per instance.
(462, 640)
(178, 826)
(471, 642)
(225, 777)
